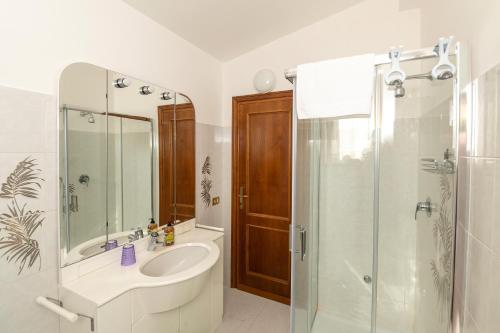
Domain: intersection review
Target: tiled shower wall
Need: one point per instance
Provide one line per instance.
(477, 277)
(28, 133)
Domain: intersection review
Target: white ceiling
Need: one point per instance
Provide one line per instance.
(228, 28)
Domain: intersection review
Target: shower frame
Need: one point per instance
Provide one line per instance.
(460, 79)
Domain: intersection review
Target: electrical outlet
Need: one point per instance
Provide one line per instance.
(215, 201)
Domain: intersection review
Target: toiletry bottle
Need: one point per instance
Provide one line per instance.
(169, 234)
(152, 226)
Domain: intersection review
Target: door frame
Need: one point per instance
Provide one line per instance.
(234, 181)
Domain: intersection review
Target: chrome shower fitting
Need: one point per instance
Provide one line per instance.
(399, 90)
(446, 166)
(444, 70)
(91, 119)
(84, 180)
(395, 76)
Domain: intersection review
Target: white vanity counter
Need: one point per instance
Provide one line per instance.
(112, 280)
(124, 299)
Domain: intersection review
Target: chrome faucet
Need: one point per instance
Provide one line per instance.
(138, 233)
(153, 242)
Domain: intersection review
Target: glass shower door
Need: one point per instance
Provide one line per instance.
(332, 288)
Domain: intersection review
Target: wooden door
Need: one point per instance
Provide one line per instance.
(261, 194)
(176, 167)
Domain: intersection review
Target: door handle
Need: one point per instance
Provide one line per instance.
(242, 196)
(303, 241)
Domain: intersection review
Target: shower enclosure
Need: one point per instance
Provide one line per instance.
(106, 171)
(374, 209)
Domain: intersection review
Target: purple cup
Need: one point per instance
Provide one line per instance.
(111, 244)
(128, 254)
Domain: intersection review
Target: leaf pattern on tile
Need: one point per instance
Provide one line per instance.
(18, 224)
(206, 182)
(443, 232)
(206, 169)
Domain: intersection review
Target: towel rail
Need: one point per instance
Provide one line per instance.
(382, 59)
(56, 306)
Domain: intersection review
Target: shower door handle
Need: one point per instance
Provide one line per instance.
(303, 241)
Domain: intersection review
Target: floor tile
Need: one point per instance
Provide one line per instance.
(247, 313)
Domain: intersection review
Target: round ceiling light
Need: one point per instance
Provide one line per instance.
(264, 81)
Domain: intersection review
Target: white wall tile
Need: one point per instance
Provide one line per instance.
(486, 119)
(29, 121)
(478, 282)
(484, 198)
(20, 313)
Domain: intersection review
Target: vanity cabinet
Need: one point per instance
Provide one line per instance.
(125, 314)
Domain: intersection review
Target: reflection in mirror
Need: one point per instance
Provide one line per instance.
(176, 148)
(95, 162)
(113, 178)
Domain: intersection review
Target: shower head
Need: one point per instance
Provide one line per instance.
(84, 114)
(444, 73)
(399, 90)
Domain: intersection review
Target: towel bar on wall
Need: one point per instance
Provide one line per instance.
(56, 306)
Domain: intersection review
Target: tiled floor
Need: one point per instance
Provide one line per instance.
(247, 313)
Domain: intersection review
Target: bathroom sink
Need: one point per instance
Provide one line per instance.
(176, 260)
(174, 276)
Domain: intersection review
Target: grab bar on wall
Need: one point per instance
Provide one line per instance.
(56, 306)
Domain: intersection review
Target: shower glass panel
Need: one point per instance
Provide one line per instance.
(415, 253)
(136, 172)
(307, 214)
(129, 173)
(86, 159)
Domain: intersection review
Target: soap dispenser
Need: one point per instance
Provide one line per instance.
(169, 234)
(152, 226)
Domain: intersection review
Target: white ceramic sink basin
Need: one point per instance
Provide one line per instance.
(181, 272)
(175, 261)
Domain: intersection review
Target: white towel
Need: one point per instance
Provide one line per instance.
(336, 88)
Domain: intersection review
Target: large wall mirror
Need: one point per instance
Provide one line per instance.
(126, 156)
